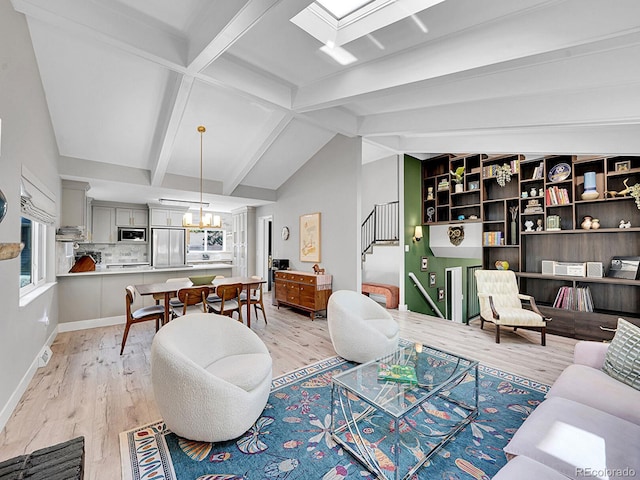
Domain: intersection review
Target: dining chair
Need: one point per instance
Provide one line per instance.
(254, 297)
(193, 296)
(144, 314)
(175, 303)
(229, 300)
(213, 296)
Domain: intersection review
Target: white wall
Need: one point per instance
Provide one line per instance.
(328, 183)
(380, 185)
(27, 138)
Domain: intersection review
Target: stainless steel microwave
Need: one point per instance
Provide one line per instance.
(137, 235)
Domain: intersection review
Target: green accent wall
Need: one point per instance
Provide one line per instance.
(413, 258)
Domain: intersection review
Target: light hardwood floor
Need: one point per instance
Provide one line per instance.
(89, 389)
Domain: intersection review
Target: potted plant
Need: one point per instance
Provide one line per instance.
(458, 177)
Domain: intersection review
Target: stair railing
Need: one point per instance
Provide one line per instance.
(425, 294)
(381, 225)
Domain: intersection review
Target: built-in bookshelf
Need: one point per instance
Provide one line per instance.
(538, 215)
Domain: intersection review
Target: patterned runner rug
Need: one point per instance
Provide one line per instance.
(291, 439)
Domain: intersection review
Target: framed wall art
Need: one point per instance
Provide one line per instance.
(310, 237)
(424, 264)
(432, 279)
(623, 166)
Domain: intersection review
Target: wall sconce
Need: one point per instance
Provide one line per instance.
(417, 234)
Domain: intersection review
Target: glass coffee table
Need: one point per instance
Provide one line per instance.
(394, 427)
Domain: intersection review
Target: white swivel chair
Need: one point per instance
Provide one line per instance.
(211, 376)
(361, 330)
(501, 303)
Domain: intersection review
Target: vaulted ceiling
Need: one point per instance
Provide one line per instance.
(128, 81)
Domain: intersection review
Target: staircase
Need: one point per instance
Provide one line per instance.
(380, 227)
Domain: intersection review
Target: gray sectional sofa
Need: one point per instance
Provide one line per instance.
(587, 427)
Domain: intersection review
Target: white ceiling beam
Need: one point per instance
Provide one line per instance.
(69, 167)
(573, 140)
(336, 120)
(250, 13)
(264, 141)
(593, 106)
(230, 73)
(473, 48)
(168, 124)
(93, 20)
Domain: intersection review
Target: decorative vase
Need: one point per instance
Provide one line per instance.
(586, 223)
(595, 223)
(590, 192)
(459, 188)
(514, 232)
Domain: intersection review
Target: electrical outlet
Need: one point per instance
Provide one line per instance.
(45, 356)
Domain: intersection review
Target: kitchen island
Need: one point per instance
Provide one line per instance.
(93, 299)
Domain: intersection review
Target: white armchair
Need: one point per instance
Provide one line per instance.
(501, 303)
(211, 376)
(361, 330)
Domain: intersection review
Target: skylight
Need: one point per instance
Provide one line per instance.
(338, 22)
(341, 8)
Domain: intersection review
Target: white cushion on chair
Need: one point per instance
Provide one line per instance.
(144, 311)
(211, 376)
(361, 330)
(519, 317)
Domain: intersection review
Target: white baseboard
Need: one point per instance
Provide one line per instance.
(93, 323)
(13, 401)
(403, 308)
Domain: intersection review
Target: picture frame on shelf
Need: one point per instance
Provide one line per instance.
(622, 166)
(475, 185)
(432, 279)
(424, 264)
(310, 237)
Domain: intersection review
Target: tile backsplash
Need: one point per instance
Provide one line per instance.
(119, 252)
(111, 253)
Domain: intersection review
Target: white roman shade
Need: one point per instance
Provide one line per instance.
(36, 201)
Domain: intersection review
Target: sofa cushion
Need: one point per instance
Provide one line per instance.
(523, 468)
(576, 440)
(622, 361)
(596, 389)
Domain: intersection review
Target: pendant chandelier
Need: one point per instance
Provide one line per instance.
(206, 220)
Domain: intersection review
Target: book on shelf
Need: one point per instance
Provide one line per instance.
(491, 170)
(570, 298)
(557, 196)
(538, 172)
(397, 373)
(491, 239)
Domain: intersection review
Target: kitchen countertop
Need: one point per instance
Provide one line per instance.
(102, 270)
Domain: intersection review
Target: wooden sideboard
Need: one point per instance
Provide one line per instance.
(306, 291)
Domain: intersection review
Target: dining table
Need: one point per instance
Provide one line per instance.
(168, 290)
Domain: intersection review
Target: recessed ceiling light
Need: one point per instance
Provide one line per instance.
(339, 54)
(342, 8)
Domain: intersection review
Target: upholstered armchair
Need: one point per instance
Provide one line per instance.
(501, 303)
(211, 376)
(361, 330)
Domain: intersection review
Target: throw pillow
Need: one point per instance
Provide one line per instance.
(622, 360)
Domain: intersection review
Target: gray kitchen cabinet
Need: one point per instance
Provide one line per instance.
(73, 211)
(165, 217)
(103, 225)
(132, 217)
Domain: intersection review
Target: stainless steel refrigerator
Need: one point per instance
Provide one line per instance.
(167, 247)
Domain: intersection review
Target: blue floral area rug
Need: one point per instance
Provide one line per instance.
(292, 440)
